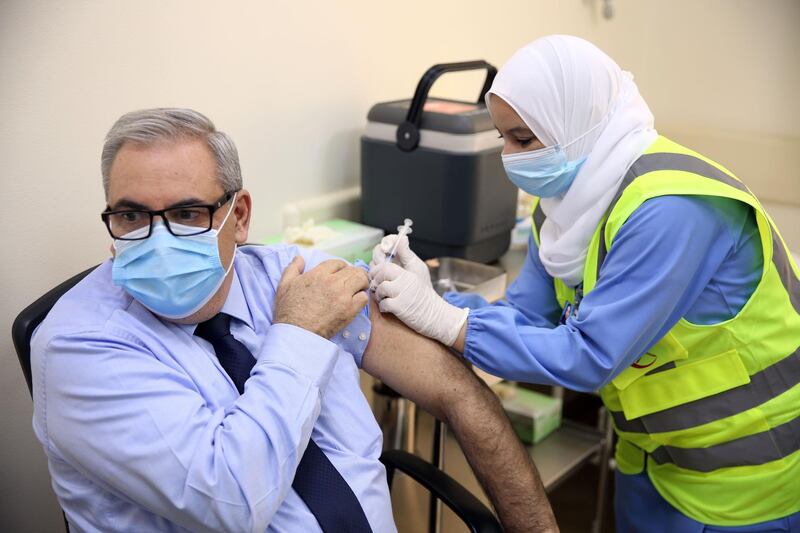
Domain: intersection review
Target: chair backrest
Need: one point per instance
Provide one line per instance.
(30, 317)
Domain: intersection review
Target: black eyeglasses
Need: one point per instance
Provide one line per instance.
(181, 221)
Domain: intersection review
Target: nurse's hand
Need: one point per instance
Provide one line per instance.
(403, 256)
(403, 294)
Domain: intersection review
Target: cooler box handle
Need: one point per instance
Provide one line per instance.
(408, 131)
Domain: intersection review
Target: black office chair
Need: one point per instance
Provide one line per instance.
(476, 516)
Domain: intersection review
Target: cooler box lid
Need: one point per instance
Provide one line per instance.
(436, 123)
(448, 125)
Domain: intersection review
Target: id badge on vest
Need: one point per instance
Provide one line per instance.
(570, 308)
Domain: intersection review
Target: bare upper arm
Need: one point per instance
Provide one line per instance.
(419, 368)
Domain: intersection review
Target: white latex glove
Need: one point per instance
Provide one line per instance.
(401, 293)
(403, 257)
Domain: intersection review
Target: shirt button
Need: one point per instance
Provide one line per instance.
(346, 334)
(362, 336)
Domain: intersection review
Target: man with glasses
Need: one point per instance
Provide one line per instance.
(193, 383)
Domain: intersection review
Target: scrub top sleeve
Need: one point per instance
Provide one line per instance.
(661, 260)
(465, 299)
(532, 292)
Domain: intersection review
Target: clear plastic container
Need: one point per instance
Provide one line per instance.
(346, 239)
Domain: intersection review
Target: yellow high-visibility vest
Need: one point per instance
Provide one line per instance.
(711, 411)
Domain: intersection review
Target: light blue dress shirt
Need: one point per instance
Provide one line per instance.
(144, 430)
(676, 256)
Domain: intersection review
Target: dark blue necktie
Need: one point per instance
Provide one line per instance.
(317, 482)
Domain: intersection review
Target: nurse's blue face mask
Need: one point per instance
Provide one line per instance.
(545, 172)
(173, 276)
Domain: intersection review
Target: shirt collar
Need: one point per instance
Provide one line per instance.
(236, 305)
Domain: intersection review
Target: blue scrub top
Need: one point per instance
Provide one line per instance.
(676, 256)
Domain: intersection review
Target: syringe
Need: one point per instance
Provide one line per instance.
(405, 229)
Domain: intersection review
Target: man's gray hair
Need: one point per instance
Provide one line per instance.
(149, 126)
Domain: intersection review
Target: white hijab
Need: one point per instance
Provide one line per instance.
(562, 87)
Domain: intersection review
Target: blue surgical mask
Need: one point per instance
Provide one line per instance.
(172, 276)
(544, 173)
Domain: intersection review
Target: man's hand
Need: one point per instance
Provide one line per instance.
(428, 374)
(323, 300)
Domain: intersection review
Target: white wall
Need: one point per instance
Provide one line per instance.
(292, 83)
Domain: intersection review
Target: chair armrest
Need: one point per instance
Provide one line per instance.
(476, 516)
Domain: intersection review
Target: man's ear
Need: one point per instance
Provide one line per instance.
(242, 211)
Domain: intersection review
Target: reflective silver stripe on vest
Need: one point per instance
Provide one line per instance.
(665, 161)
(765, 385)
(538, 219)
(633, 173)
(757, 449)
(688, 163)
(785, 272)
